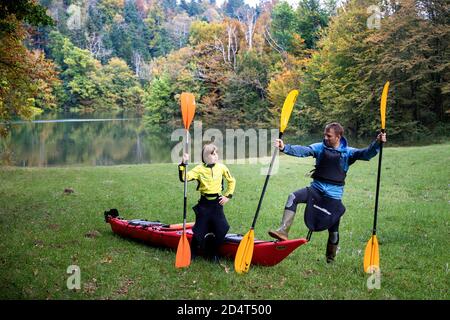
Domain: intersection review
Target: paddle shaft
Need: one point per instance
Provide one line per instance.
(374, 231)
(186, 147)
(275, 151)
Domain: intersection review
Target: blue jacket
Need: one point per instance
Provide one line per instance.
(348, 156)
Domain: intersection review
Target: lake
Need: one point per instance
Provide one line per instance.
(101, 139)
(67, 139)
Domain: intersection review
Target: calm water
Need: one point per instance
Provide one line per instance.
(65, 139)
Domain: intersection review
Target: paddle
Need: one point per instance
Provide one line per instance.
(245, 250)
(183, 257)
(371, 254)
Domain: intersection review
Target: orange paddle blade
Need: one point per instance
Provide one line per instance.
(371, 255)
(187, 100)
(183, 258)
(178, 226)
(383, 105)
(244, 253)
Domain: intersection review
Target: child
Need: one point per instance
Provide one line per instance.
(211, 226)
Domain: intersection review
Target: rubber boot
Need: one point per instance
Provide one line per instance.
(282, 232)
(210, 247)
(332, 246)
(195, 246)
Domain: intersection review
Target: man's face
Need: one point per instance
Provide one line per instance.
(331, 138)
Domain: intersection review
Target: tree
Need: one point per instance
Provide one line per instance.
(412, 48)
(90, 85)
(27, 79)
(245, 90)
(247, 17)
(337, 72)
(231, 7)
(171, 75)
(121, 86)
(158, 43)
(282, 28)
(311, 19)
(158, 101)
(23, 11)
(178, 29)
(346, 76)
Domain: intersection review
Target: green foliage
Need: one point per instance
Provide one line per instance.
(158, 36)
(121, 85)
(283, 25)
(23, 10)
(354, 62)
(89, 84)
(26, 77)
(412, 51)
(241, 64)
(244, 92)
(203, 32)
(158, 101)
(311, 18)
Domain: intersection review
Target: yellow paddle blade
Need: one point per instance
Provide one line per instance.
(287, 109)
(183, 258)
(371, 256)
(383, 105)
(187, 100)
(245, 252)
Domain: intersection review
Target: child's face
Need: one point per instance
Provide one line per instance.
(211, 158)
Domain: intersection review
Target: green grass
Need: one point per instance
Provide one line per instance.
(43, 231)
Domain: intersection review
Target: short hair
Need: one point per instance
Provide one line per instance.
(338, 129)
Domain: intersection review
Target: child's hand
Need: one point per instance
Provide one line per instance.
(185, 158)
(223, 200)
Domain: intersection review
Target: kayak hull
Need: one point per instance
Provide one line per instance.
(265, 253)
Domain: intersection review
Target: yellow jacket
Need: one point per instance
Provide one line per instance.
(210, 178)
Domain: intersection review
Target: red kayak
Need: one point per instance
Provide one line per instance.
(265, 253)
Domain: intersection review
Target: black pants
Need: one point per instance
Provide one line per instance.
(210, 226)
(301, 196)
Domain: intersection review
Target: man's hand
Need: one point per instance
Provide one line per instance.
(223, 200)
(185, 158)
(279, 144)
(381, 137)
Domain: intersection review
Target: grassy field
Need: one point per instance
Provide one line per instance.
(43, 231)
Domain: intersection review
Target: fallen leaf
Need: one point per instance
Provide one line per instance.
(92, 234)
(108, 259)
(225, 267)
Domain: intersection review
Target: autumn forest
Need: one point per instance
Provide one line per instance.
(240, 61)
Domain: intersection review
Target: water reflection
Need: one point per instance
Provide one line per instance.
(64, 139)
(92, 140)
(85, 141)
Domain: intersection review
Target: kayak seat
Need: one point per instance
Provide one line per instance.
(233, 237)
(144, 223)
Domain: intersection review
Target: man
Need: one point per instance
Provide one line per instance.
(323, 197)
